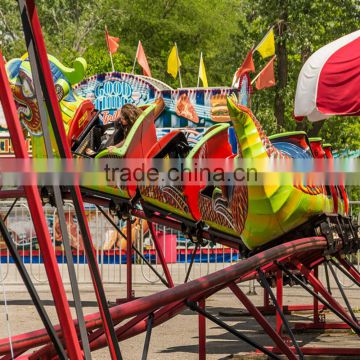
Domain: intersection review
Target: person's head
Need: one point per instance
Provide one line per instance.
(129, 114)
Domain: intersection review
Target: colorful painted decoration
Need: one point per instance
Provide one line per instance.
(189, 107)
(192, 124)
(76, 111)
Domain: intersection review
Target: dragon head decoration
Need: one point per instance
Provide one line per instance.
(76, 111)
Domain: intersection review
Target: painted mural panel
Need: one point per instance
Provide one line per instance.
(188, 107)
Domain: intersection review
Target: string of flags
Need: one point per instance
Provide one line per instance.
(112, 45)
(140, 57)
(264, 79)
(174, 63)
(266, 46)
(202, 73)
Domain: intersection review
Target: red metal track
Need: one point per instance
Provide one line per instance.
(171, 308)
(179, 293)
(12, 194)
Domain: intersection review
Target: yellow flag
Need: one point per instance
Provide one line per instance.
(202, 72)
(266, 47)
(173, 63)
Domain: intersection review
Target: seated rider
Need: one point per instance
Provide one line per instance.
(115, 137)
(128, 115)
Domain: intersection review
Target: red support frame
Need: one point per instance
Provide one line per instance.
(11, 194)
(168, 303)
(64, 150)
(40, 225)
(160, 255)
(129, 291)
(319, 288)
(202, 332)
(262, 321)
(316, 301)
(279, 298)
(212, 283)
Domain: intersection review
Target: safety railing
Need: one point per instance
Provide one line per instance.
(110, 248)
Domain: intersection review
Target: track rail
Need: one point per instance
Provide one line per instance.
(169, 297)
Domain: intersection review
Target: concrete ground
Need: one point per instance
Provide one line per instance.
(178, 338)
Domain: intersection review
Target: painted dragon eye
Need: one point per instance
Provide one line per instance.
(27, 89)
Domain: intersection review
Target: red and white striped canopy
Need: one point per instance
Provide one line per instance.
(329, 81)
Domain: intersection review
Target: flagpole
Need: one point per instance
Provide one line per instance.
(256, 77)
(111, 59)
(198, 79)
(177, 60)
(133, 68)
(112, 63)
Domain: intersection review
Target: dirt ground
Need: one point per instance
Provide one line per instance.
(177, 338)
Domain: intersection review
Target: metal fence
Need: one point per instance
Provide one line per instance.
(110, 249)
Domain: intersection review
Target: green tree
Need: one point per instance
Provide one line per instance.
(223, 30)
(302, 26)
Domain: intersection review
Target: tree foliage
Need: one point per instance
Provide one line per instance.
(223, 30)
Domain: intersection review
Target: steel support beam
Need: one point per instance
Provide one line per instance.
(265, 283)
(38, 217)
(160, 254)
(55, 117)
(193, 306)
(32, 291)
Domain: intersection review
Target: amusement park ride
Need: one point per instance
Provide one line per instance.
(283, 232)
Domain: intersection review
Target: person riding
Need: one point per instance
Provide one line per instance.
(128, 115)
(114, 137)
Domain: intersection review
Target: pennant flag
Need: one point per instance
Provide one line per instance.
(266, 46)
(173, 63)
(266, 77)
(142, 60)
(112, 42)
(247, 66)
(202, 72)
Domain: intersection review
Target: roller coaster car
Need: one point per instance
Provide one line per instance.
(168, 198)
(273, 209)
(89, 137)
(217, 203)
(295, 144)
(259, 214)
(340, 192)
(182, 199)
(320, 151)
(141, 137)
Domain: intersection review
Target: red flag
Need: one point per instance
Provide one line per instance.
(247, 66)
(112, 42)
(266, 78)
(142, 60)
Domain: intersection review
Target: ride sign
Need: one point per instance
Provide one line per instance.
(112, 94)
(109, 92)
